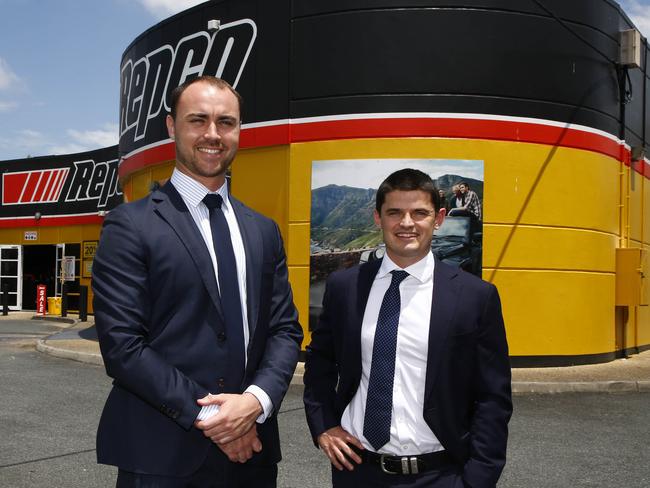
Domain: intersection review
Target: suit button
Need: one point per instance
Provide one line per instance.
(221, 336)
(221, 383)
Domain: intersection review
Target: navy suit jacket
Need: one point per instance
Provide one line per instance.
(467, 400)
(161, 332)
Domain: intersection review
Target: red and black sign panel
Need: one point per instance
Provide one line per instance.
(249, 50)
(75, 184)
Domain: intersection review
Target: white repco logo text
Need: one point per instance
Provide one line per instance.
(146, 82)
(93, 181)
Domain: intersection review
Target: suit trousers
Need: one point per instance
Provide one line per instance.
(366, 475)
(216, 472)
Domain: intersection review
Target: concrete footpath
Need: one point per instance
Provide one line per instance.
(78, 341)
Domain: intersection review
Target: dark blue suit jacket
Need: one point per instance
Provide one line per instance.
(467, 401)
(161, 332)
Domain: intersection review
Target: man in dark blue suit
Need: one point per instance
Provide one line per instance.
(407, 377)
(195, 317)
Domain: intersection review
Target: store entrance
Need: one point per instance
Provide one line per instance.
(39, 268)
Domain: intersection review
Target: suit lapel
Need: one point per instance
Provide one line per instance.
(446, 296)
(253, 247)
(170, 206)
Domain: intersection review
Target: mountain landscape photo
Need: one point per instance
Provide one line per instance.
(341, 216)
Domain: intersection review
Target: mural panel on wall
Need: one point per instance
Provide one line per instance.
(343, 232)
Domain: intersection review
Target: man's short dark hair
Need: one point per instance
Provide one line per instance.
(407, 179)
(211, 80)
(465, 184)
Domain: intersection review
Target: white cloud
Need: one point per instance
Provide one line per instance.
(86, 140)
(7, 106)
(106, 136)
(164, 8)
(639, 13)
(22, 143)
(67, 148)
(28, 134)
(7, 76)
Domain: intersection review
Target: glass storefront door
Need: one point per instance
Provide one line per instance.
(11, 274)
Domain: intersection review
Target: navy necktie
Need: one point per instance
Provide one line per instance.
(379, 404)
(228, 290)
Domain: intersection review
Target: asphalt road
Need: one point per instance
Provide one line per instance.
(49, 409)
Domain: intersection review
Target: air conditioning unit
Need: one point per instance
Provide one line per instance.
(630, 54)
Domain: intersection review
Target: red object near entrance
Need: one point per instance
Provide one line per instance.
(41, 299)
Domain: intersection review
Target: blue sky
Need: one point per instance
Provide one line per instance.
(369, 173)
(59, 68)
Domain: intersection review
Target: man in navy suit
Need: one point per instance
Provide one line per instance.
(407, 377)
(195, 317)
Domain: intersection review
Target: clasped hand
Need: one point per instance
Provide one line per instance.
(233, 428)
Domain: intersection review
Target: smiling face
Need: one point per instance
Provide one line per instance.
(407, 220)
(206, 131)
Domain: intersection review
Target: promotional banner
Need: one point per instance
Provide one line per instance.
(41, 299)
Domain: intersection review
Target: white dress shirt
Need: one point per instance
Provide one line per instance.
(192, 192)
(409, 433)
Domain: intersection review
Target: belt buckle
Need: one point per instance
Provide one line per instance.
(382, 458)
(409, 464)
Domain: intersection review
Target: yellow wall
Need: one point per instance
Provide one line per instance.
(548, 246)
(138, 184)
(552, 222)
(634, 322)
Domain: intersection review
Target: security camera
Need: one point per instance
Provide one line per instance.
(214, 25)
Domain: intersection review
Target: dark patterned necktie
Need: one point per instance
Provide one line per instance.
(379, 404)
(228, 289)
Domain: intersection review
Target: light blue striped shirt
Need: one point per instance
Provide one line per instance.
(192, 192)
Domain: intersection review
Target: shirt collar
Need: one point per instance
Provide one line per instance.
(422, 270)
(192, 191)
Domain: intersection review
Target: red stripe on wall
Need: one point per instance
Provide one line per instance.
(12, 186)
(141, 160)
(455, 128)
(503, 130)
(59, 187)
(256, 137)
(43, 185)
(265, 136)
(53, 186)
(30, 187)
(641, 166)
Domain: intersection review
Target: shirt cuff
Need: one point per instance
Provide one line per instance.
(207, 411)
(265, 401)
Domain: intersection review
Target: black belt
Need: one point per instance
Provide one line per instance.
(406, 464)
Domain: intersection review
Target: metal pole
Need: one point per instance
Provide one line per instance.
(64, 300)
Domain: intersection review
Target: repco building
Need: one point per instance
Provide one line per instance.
(540, 105)
(51, 214)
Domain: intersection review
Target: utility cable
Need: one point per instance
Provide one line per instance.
(567, 27)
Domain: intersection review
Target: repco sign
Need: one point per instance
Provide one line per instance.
(61, 185)
(149, 73)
